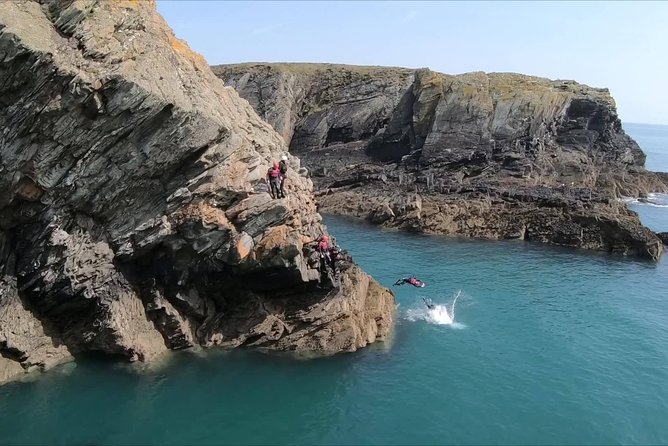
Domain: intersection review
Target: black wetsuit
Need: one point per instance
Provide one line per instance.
(283, 166)
(274, 184)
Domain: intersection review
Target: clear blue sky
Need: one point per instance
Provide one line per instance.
(619, 45)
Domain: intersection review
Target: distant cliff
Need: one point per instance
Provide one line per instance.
(485, 155)
(134, 217)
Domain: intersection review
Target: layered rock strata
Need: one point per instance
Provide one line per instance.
(482, 155)
(134, 217)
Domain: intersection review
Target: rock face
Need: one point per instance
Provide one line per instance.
(664, 237)
(134, 217)
(24, 342)
(483, 155)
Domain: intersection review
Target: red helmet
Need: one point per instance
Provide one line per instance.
(325, 238)
(275, 164)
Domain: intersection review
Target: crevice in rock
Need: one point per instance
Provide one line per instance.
(117, 186)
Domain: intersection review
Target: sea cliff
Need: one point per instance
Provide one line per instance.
(134, 217)
(489, 155)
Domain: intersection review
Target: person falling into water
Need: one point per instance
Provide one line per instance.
(429, 305)
(411, 281)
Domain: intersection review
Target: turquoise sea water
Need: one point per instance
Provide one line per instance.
(653, 139)
(548, 345)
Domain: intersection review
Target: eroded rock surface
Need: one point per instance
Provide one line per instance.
(134, 217)
(25, 342)
(664, 237)
(494, 155)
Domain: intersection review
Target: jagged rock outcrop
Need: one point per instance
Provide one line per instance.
(355, 316)
(134, 217)
(25, 342)
(484, 155)
(664, 237)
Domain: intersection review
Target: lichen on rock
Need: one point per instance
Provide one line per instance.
(134, 216)
(491, 155)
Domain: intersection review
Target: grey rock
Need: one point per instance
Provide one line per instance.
(310, 324)
(495, 155)
(26, 344)
(24, 340)
(133, 208)
(663, 236)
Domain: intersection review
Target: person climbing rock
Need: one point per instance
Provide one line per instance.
(283, 167)
(324, 264)
(334, 256)
(323, 249)
(323, 245)
(274, 180)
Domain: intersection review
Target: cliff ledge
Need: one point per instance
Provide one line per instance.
(134, 217)
(495, 156)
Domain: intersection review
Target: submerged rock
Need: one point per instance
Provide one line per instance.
(494, 155)
(134, 217)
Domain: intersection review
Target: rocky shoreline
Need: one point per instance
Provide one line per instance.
(134, 217)
(493, 156)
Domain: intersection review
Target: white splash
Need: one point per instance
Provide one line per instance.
(656, 200)
(439, 315)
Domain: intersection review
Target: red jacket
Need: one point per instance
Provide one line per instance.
(273, 173)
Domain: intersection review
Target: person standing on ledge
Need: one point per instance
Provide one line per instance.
(283, 166)
(274, 180)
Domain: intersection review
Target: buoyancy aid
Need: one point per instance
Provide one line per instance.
(274, 171)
